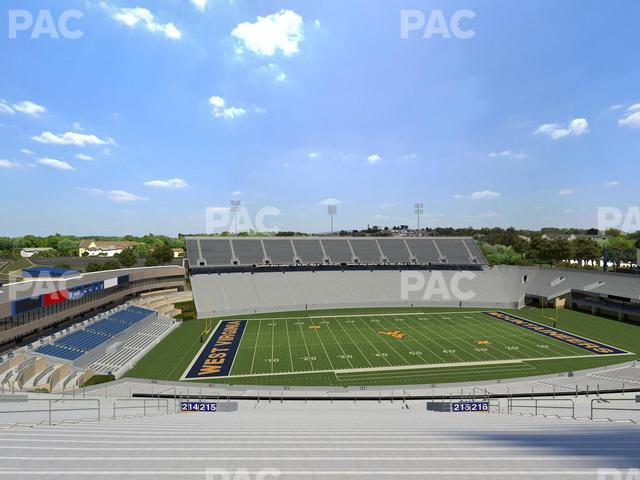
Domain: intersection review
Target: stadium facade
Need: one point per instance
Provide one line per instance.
(33, 307)
(233, 275)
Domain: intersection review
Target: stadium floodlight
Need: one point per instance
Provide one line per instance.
(332, 210)
(235, 208)
(419, 210)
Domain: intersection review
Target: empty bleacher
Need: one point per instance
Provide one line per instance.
(74, 345)
(121, 359)
(227, 252)
(247, 292)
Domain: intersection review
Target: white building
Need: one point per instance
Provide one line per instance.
(94, 248)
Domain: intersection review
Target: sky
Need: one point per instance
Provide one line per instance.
(142, 114)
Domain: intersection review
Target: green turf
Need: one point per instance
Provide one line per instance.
(346, 349)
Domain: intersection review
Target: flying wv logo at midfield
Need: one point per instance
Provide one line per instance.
(397, 334)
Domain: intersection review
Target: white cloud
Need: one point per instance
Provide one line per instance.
(131, 17)
(458, 196)
(615, 107)
(566, 191)
(631, 117)
(25, 107)
(54, 163)
(83, 157)
(221, 110)
(612, 183)
(26, 151)
(286, 165)
(172, 183)
(8, 164)
(6, 108)
(236, 193)
(387, 205)
(374, 158)
(282, 31)
(556, 131)
(484, 195)
(410, 156)
(200, 4)
(274, 71)
(118, 196)
(329, 201)
(314, 155)
(509, 154)
(316, 23)
(71, 138)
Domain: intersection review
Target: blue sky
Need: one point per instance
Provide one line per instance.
(163, 108)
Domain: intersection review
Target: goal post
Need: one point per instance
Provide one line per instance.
(553, 316)
(206, 329)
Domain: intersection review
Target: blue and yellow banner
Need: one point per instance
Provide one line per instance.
(216, 356)
(566, 337)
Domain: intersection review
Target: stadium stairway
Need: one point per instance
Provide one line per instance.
(261, 442)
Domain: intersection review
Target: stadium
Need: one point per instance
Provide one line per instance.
(353, 336)
(323, 240)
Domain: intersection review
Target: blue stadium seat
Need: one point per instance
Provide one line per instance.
(60, 352)
(108, 327)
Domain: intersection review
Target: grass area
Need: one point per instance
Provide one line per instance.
(98, 379)
(345, 348)
(188, 310)
(17, 265)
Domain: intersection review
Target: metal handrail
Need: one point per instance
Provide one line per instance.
(608, 400)
(536, 405)
(51, 410)
(116, 407)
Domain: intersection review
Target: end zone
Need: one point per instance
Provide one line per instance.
(589, 345)
(216, 356)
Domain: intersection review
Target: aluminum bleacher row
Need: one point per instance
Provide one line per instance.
(76, 344)
(225, 252)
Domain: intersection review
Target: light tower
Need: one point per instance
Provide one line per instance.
(235, 208)
(419, 210)
(332, 210)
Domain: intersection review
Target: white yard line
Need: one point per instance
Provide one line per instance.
(420, 367)
(322, 345)
(304, 339)
(286, 324)
(355, 344)
(255, 348)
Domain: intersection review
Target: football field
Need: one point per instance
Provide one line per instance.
(379, 348)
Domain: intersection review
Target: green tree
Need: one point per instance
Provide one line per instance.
(585, 249)
(161, 254)
(127, 258)
(560, 250)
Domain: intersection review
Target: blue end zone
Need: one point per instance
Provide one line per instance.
(216, 356)
(566, 337)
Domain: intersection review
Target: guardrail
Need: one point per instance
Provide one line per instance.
(611, 409)
(147, 403)
(538, 406)
(50, 408)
